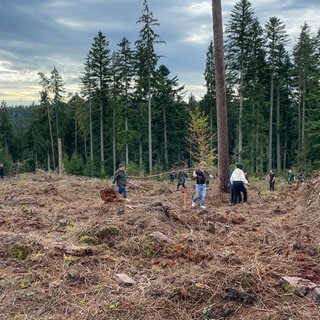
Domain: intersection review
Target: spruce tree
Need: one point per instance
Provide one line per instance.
(98, 77)
(146, 62)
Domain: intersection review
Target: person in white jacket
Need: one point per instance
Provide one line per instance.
(238, 182)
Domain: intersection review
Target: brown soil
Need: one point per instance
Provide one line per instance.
(64, 240)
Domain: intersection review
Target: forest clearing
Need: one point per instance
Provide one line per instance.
(68, 254)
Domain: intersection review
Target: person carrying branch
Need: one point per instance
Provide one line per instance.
(120, 178)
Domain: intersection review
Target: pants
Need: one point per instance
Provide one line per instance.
(271, 186)
(239, 187)
(201, 189)
(181, 183)
(122, 190)
(233, 196)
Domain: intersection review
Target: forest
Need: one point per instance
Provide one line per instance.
(132, 110)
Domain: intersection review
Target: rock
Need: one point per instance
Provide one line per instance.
(124, 279)
(160, 236)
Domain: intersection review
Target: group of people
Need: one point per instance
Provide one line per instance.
(291, 179)
(238, 182)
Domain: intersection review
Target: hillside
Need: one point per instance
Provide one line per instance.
(65, 253)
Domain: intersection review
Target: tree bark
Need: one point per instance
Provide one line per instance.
(221, 100)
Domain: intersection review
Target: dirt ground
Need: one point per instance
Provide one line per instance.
(64, 244)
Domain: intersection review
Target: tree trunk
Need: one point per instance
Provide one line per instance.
(165, 138)
(150, 128)
(114, 139)
(51, 138)
(101, 138)
(278, 131)
(270, 123)
(221, 100)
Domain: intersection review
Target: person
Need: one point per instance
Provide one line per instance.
(291, 177)
(120, 178)
(201, 186)
(238, 181)
(172, 175)
(1, 171)
(300, 178)
(232, 195)
(208, 177)
(182, 179)
(272, 180)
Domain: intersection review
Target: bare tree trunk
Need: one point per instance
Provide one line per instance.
(101, 138)
(91, 134)
(240, 133)
(114, 139)
(127, 146)
(51, 138)
(150, 128)
(270, 123)
(221, 100)
(60, 156)
(278, 131)
(165, 138)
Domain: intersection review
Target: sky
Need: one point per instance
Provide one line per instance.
(38, 35)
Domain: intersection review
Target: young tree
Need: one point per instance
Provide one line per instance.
(199, 137)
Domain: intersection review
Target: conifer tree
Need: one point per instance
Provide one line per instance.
(238, 52)
(306, 72)
(45, 101)
(147, 59)
(276, 41)
(169, 115)
(123, 68)
(98, 77)
(208, 103)
(199, 137)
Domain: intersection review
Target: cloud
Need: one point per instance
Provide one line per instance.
(37, 35)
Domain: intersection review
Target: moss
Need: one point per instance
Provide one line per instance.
(20, 251)
(89, 239)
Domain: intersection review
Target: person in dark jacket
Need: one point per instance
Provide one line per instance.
(182, 179)
(120, 178)
(272, 180)
(1, 171)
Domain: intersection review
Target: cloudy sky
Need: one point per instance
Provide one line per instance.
(36, 35)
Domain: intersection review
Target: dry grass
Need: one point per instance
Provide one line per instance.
(224, 262)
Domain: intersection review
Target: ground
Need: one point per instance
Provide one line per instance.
(64, 242)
